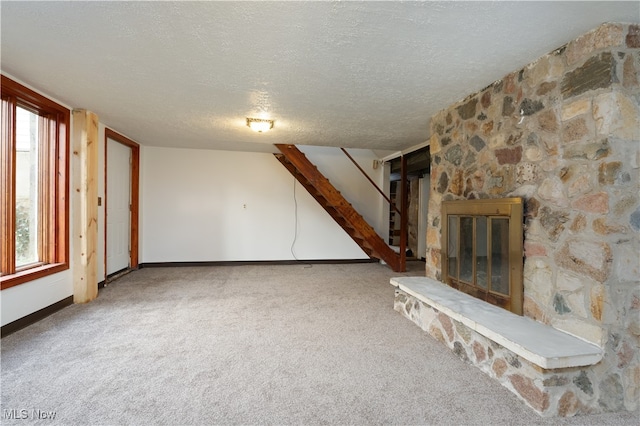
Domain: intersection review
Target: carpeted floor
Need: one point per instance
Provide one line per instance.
(249, 345)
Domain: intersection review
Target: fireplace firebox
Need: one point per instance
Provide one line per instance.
(482, 248)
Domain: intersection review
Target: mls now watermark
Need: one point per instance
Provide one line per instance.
(24, 414)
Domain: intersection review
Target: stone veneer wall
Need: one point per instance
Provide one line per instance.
(564, 134)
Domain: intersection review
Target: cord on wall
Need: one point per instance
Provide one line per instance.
(295, 214)
(295, 232)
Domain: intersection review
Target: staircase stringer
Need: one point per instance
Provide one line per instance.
(314, 181)
(331, 211)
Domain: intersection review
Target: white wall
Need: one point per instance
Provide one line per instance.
(24, 299)
(204, 205)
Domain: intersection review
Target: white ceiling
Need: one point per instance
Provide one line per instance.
(352, 74)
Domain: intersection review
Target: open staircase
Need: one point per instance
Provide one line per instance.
(338, 208)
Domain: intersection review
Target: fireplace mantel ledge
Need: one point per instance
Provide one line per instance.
(538, 343)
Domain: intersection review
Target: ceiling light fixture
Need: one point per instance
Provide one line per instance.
(259, 125)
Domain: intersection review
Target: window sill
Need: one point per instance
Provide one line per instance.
(31, 274)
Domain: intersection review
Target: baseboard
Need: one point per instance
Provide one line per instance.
(256, 262)
(34, 317)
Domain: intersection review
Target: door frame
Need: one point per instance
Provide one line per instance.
(135, 196)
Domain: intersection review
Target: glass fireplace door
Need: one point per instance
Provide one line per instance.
(482, 247)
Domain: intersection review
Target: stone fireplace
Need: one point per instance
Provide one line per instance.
(562, 134)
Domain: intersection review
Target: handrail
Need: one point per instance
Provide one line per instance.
(403, 209)
(391, 203)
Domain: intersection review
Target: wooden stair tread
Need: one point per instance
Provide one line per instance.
(319, 187)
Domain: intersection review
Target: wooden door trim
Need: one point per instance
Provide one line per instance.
(135, 195)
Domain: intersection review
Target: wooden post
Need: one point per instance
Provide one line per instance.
(85, 205)
(404, 213)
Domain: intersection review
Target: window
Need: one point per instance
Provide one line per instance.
(482, 250)
(34, 201)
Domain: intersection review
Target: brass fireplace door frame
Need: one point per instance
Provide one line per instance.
(509, 208)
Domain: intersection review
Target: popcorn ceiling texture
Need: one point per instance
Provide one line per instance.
(345, 74)
(563, 133)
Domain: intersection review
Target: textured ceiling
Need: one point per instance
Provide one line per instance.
(352, 74)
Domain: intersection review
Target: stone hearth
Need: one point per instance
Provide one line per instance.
(541, 364)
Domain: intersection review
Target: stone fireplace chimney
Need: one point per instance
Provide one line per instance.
(563, 133)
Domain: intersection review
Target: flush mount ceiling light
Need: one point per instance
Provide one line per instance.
(259, 125)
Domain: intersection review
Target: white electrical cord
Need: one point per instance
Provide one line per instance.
(295, 232)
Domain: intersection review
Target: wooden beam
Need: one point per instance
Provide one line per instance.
(85, 205)
(404, 213)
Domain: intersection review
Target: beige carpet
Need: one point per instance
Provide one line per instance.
(249, 345)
